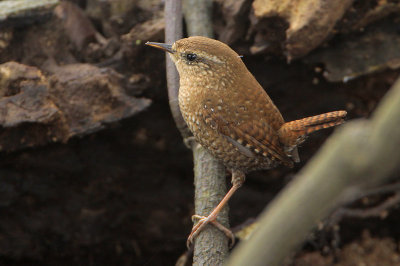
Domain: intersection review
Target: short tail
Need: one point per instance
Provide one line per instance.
(294, 133)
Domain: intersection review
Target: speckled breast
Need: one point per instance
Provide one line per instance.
(195, 109)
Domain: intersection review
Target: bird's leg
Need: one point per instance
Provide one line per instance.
(238, 178)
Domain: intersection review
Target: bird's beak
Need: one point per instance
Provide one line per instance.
(162, 46)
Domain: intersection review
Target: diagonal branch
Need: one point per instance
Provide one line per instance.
(359, 155)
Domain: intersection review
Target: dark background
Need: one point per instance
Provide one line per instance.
(123, 194)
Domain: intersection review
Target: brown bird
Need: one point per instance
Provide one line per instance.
(231, 115)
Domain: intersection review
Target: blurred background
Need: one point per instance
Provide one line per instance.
(93, 170)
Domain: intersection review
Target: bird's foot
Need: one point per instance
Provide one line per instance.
(203, 221)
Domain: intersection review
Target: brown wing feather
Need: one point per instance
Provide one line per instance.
(257, 137)
(263, 140)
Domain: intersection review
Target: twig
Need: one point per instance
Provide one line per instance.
(378, 211)
(343, 212)
(359, 155)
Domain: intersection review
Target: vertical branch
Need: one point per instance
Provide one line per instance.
(198, 17)
(173, 32)
(211, 246)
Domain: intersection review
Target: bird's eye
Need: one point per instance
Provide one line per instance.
(191, 57)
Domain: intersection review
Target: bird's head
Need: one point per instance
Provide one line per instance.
(198, 56)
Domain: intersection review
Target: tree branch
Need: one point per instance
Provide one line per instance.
(379, 210)
(198, 17)
(173, 32)
(209, 175)
(211, 246)
(359, 155)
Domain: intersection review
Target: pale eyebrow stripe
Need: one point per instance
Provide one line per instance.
(214, 59)
(202, 56)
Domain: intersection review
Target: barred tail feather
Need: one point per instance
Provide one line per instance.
(293, 133)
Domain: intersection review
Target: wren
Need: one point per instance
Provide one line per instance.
(232, 116)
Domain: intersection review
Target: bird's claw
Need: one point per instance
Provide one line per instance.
(203, 221)
(195, 230)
